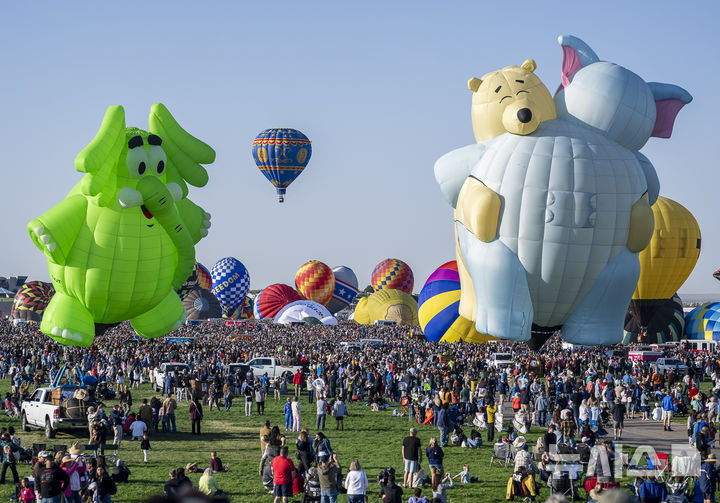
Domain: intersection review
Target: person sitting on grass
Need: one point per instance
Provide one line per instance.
(216, 463)
(208, 485)
(464, 475)
(442, 483)
(418, 497)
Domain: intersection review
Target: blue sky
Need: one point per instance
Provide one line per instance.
(379, 87)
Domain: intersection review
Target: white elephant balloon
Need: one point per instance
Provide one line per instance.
(553, 203)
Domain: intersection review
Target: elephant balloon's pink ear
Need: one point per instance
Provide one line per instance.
(669, 99)
(576, 54)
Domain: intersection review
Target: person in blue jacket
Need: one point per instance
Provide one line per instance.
(667, 407)
(708, 479)
(652, 491)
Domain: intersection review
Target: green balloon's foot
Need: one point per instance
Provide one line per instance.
(162, 319)
(67, 321)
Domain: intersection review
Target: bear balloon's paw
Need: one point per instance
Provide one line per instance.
(68, 335)
(44, 241)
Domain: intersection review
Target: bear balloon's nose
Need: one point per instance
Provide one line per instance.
(524, 115)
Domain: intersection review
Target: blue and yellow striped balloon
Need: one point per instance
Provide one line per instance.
(703, 323)
(438, 309)
(281, 154)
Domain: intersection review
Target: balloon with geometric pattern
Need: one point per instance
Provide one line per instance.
(31, 300)
(201, 305)
(231, 282)
(281, 154)
(438, 308)
(393, 274)
(346, 289)
(315, 281)
(703, 323)
(204, 278)
(244, 312)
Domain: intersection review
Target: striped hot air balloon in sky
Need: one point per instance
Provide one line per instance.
(393, 274)
(346, 289)
(438, 308)
(315, 281)
(281, 154)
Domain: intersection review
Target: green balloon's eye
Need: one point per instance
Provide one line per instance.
(157, 158)
(141, 168)
(137, 162)
(161, 167)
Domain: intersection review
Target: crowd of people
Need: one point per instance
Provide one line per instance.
(582, 397)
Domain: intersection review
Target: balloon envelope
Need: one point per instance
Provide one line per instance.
(393, 274)
(315, 281)
(189, 284)
(201, 305)
(302, 310)
(281, 154)
(668, 260)
(346, 289)
(438, 308)
(245, 311)
(273, 298)
(666, 324)
(31, 300)
(231, 283)
(703, 323)
(389, 305)
(204, 279)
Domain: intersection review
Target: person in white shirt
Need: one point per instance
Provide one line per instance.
(657, 412)
(356, 483)
(137, 429)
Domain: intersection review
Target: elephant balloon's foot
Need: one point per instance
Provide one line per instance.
(600, 318)
(167, 316)
(68, 322)
(503, 305)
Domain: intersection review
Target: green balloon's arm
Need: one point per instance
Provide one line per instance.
(54, 232)
(197, 220)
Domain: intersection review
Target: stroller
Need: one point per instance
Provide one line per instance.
(312, 486)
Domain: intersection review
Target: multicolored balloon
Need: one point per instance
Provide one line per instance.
(31, 300)
(189, 284)
(273, 298)
(703, 323)
(666, 324)
(438, 308)
(281, 154)
(204, 280)
(245, 311)
(716, 275)
(388, 305)
(315, 281)
(346, 289)
(393, 274)
(201, 305)
(231, 282)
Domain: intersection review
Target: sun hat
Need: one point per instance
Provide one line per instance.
(519, 442)
(75, 448)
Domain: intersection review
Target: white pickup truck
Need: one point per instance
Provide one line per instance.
(38, 411)
(174, 368)
(269, 366)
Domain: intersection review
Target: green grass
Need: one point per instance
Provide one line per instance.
(374, 438)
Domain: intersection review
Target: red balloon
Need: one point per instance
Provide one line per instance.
(273, 298)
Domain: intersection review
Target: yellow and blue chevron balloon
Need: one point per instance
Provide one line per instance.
(438, 308)
(703, 323)
(281, 154)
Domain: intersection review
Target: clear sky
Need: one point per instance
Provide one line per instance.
(379, 88)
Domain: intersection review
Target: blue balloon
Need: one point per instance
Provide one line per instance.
(281, 154)
(230, 283)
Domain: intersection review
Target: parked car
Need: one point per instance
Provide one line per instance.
(43, 410)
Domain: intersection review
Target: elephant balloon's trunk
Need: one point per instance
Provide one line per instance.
(159, 203)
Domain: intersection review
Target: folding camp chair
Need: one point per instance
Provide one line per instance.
(59, 447)
(36, 448)
(658, 465)
(501, 451)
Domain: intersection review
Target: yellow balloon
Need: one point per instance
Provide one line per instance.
(672, 253)
(389, 305)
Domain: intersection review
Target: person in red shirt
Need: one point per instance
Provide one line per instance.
(283, 475)
(298, 381)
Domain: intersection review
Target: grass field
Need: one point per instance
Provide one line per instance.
(374, 438)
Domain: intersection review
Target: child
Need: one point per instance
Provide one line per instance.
(145, 446)
(418, 498)
(464, 475)
(27, 495)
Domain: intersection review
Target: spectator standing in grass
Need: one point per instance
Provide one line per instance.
(356, 483)
(296, 408)
(320, 407)
(412, 457)
(391, 492)
(435, 457)
(260, 399)
(328, 472)
(283, 474)
(340, 411)
(196, 415)
(145, 446)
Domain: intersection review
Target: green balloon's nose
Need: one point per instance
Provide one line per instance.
(156, 197)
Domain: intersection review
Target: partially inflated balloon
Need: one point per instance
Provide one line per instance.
(281, 154)
(204, 279)
(273, 298)
(668, 260)
(315, 281)
(388, 305)
(190, 284)
(393, 274)
(31, 300)
(245, 311)
(301, 310)
(346, 289)
(438, 308)
(703, 323)
(666, 324)
(201, 305)
(231, 282)
(716, 275)
(124, 238)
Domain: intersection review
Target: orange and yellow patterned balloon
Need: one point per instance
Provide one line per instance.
(315, 281)
(393, 274)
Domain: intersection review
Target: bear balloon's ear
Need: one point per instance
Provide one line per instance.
(529, 65)
(474, 84)
(669, 99)
(576, 54)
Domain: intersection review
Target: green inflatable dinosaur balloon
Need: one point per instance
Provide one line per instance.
(125, 235)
